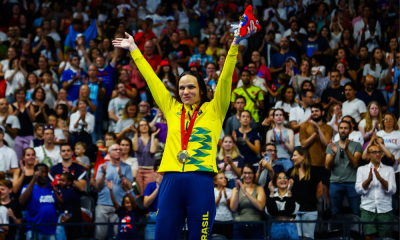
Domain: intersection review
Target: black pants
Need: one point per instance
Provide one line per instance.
(82, 137)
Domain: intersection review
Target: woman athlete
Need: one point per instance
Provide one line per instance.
(194, 127)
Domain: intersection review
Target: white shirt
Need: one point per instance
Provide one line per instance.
(289, 31)
(375, 197)
(354, 136)
(54, 155)
(84, 15)
(89, 119)
(282, 15)
(13, 122)
(121, 7)
(18, 78)
(50, 98)
(158, 19)
(392, 142)
(364, 122)
(133, 162)
(370, 45)
(299, 115)
(258, 82)
(285, 106)
(3, 216)
(58, 134)
(222, 212)
(9, 157)
(360, 25)
(3, 36)
(354, 108)
(5, 64)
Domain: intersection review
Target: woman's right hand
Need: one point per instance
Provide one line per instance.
(125, 43)
(234, 136)
(271, 187)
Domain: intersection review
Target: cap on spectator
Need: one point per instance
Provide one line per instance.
(47, 128)
(170, 18)
(79, 35)
(193, 64)
(2, 129)
(211, 24)
(165, 63)
(148, 17)
(288, 58)
(197, 12)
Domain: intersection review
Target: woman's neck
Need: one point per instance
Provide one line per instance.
(388, 129)
(125, 156)
(32, 85)
(145, 135)
(302, 74)
(279, 126)
(245, 127)
(374, 118)
(351, 98)
(219, 187)
(282, 192)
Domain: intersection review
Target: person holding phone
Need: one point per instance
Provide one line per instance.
(283, 138)
(229, 161)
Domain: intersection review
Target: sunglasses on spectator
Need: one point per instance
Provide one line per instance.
(47, 128)
(377, 152)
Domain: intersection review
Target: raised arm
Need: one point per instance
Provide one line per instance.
(161, 95)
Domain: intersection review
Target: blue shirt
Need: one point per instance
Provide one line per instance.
(375, 96)
(320, 44)
(244, 149)
(278, 59)
(71, 200)
(94, 97)
(396, 76)
(41, 208)
(73, 92)
(75, 169)
(150, 188)
(112, 175)
(126, 230)
(107, 75)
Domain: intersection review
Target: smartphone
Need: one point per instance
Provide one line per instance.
(267, 157)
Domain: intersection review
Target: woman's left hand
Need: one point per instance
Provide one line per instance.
(155, 133)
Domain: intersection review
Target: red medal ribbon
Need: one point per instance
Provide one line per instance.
(185, 137)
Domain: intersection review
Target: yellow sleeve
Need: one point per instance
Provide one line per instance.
(160, 93)
(222, 94)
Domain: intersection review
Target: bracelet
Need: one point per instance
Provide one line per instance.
(127, 192)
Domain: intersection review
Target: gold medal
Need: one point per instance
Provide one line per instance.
(183, 156)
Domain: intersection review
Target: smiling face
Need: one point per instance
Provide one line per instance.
(220, 180)
(125, 146)
(228, 144)
(255, 56)
(282, 181)
(143, 126)
(247, 175)
(297, 158)
(189, 90)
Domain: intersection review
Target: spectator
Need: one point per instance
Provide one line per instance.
(390, 133)
(40, 200)
(9, 122)
(262, 69)
(268, 166)
(62, 100)
(353, 107)
(247, 139)
(145, 111)
(41, 109)
(146, 34)
(335, 93)
(254, 78)
(300, 115)
(159, 122)
(125, 212)
(84, 93)
(23, 175)
(370, 37)
(387, 159)
(106, 73)
(334, 117)
(283, 139)
(53, 55)
(5, 63)
(370, 123)
(306, 85)
(201, 58)
(254, 95)
(222, 201)
(15, 75)
(282, 207)
(69, 205)
(145, 146)
(306, 191)
(275, 14)
(342, 159)
(151, 201)
(286, 99)
(355, 135)
(44, 67)
(38, 141)
(72, 79)
(232, 122)
(82, 123)
(130, 118)
(346, 75)
(14, 212)
(127, 152)
(62, 115)
(50, 89)
(49, 153)
(175, 47)
(321, 16)
(379, 69)
(376, 202)
(229, 161)
(305, 74)
(359, 25)
(369, 93)
(59, 136)
(116, 106)
(248, 199)
(278, 61)
(119, 173)
(149, 54)
(9, 158)
(314, 44)
(81, 159)
(315, 136)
